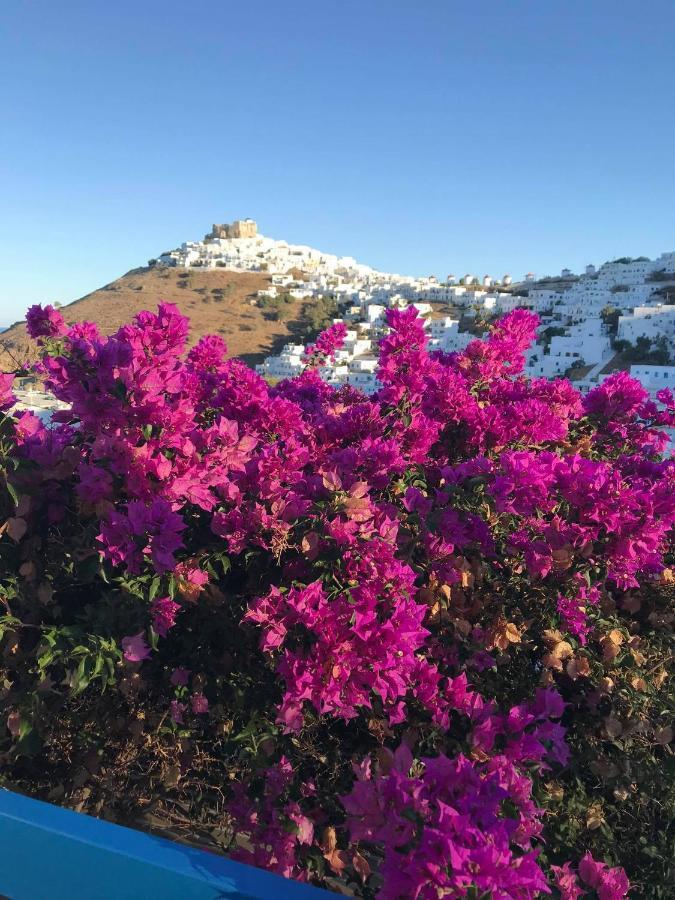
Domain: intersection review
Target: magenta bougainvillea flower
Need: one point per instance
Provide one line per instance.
(143, 530)
(180, 676)
(135, 648)
(177, 712)
(607, 883)
(199, 704)
(45, 322)
(327, 344)
(191, 580)
(163, 612)
(7, 398)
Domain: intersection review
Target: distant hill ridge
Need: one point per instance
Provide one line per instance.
(217, 301)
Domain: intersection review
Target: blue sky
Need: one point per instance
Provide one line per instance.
(427, 136)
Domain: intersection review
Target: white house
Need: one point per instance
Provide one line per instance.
(654, 378)
(647, 321)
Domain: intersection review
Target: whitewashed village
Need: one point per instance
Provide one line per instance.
(618, 315)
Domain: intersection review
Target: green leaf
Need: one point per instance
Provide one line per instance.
(12, 492)
(29, 742)
(154, 587)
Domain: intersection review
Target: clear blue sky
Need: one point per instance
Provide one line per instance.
(418, 135)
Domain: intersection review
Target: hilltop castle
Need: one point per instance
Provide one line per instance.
(240, 228)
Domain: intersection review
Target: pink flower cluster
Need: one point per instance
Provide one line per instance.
(327, 344)
(607, 883)
(7, 398)
(444, 828)
(364, 643)
(615, 512)
(151, 531)
(45, 322)
(271, 828)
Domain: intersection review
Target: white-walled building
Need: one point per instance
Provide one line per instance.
(647, 321)
(288, 364)
(654, 378)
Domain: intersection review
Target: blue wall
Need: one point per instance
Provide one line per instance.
(50, 853)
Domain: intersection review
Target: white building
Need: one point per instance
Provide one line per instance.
(654, 378)
(288, 364)
(647, 321)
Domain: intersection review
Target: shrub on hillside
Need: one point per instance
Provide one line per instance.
(317, 315)
(418, 641)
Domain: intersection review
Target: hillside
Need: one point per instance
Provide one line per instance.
(218, 301)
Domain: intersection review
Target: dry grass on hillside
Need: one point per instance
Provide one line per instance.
(217, 301)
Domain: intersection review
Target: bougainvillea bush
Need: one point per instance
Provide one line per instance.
(415, 644)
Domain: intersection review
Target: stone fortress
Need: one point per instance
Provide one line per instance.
(240, 228)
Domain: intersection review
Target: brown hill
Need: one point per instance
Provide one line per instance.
(217, 301)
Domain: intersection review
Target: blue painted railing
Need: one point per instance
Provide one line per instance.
(49, 853)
